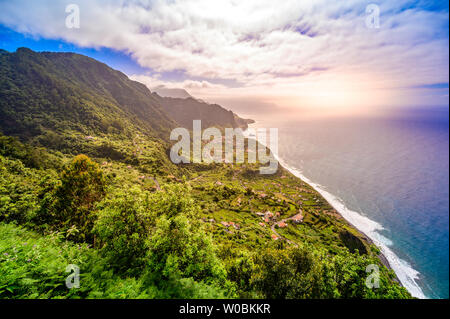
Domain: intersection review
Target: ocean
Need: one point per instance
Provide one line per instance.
(388, 176)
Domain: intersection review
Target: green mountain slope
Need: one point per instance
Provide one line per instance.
(67, 91)
(139, 226)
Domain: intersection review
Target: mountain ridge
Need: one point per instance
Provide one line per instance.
(94, 90)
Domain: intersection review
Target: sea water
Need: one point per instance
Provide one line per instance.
(388, 176)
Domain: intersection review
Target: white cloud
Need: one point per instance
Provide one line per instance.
(287, 47)
(189, 85)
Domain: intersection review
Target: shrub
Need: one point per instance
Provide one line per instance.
(122, 229)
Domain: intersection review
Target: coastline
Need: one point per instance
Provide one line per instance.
(405, 275)
(381, 256)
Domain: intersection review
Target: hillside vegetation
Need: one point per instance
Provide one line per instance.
(85, 179)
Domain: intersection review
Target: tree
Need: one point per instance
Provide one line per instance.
(180, 248)
(289, 273)
(71, 208)
(273, 274)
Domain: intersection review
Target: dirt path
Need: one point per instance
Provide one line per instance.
(194, 179)
(156, 183)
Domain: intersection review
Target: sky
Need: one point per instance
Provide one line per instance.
(330, 56)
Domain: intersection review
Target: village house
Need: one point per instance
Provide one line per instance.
(282, 224)
(268, 214)
(297, 219)
(228, 224)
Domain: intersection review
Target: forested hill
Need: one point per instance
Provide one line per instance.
(57, 92)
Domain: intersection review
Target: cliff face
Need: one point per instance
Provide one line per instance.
(353, 242)
(243, 123)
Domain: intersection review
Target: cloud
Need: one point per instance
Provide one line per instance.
(283, 47)
(189, 85)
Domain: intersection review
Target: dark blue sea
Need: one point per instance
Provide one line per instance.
(388, 176)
